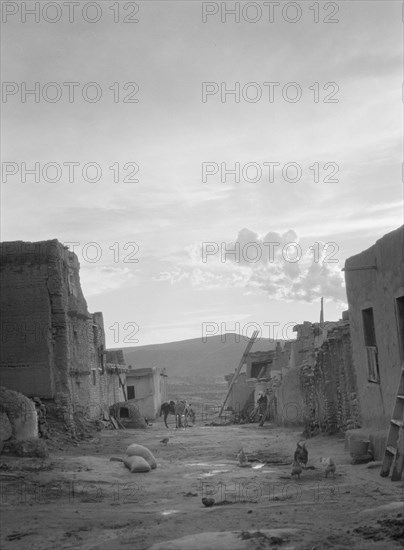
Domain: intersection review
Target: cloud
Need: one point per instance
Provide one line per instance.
(100, 279)
(275, 264)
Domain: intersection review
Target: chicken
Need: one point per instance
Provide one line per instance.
(296, 469)
(330, 466)
(241, 456)
(208, 501)
(165, 440)
(301, 454)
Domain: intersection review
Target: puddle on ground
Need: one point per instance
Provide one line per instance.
(205, 464)
(170, 512)
(213, 473)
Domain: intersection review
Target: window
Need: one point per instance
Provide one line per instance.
(131, 392)
(123, 412)
(259, 369)
(370, 345)
(94, 373)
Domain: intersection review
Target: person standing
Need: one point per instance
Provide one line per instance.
(262, 407)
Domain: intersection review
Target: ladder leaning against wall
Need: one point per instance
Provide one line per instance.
(394, 453)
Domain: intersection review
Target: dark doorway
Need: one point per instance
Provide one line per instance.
(131, 392)
(124, 412)
(369, 335)
(256, 369)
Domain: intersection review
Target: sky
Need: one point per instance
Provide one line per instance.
(163, 144)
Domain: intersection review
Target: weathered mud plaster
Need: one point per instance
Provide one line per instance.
(52, 347)
(375, 280)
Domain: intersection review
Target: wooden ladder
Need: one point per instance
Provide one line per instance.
(238, 369)
(395, 440)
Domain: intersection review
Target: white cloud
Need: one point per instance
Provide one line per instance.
(100, 279)
(281, 268)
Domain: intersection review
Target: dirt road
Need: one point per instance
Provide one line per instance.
(79, 499)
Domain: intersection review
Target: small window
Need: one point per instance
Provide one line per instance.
(124, 412)
(259, 370)
(131, 392)
(369, 334)
(94, 373)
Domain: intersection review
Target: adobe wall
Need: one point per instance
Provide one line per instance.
(115, 356)
(145, 406)
(289, 399)
(51, 344)
(240, 393)
(377, 288)
(32, 329)
(259, 357)
(157, 394)
(290, 403)
(329, 386)
(86, 358)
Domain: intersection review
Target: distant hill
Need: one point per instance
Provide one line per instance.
(194, 358)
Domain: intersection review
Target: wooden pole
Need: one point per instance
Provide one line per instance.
(240, 366)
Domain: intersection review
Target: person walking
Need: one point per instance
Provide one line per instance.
(262, 402)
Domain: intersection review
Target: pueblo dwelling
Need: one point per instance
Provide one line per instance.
(375, 291)
(147, 388)
(51, 346)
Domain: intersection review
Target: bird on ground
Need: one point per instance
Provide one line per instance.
(241, 456)
(296, 469)
(330, 466)
(208, 501)
(301, 454)
(165, 440)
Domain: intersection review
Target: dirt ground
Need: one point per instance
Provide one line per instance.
(79, 499)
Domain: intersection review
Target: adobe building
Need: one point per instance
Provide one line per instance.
(249, 383)
(258, 364)
(147, 388)
(241, 396)
(52, 347)
(375, 291)
(318, 387)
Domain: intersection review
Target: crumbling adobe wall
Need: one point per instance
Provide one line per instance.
(26, 324)
(329, 386)
(35, 302)
(35, 359)
(87, 360)
(47, 331)
(290, 402)
(115, 356)
(52, 347)
(94, 380)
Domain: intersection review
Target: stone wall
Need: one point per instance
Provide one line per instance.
(318, 388)
(329, 386)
